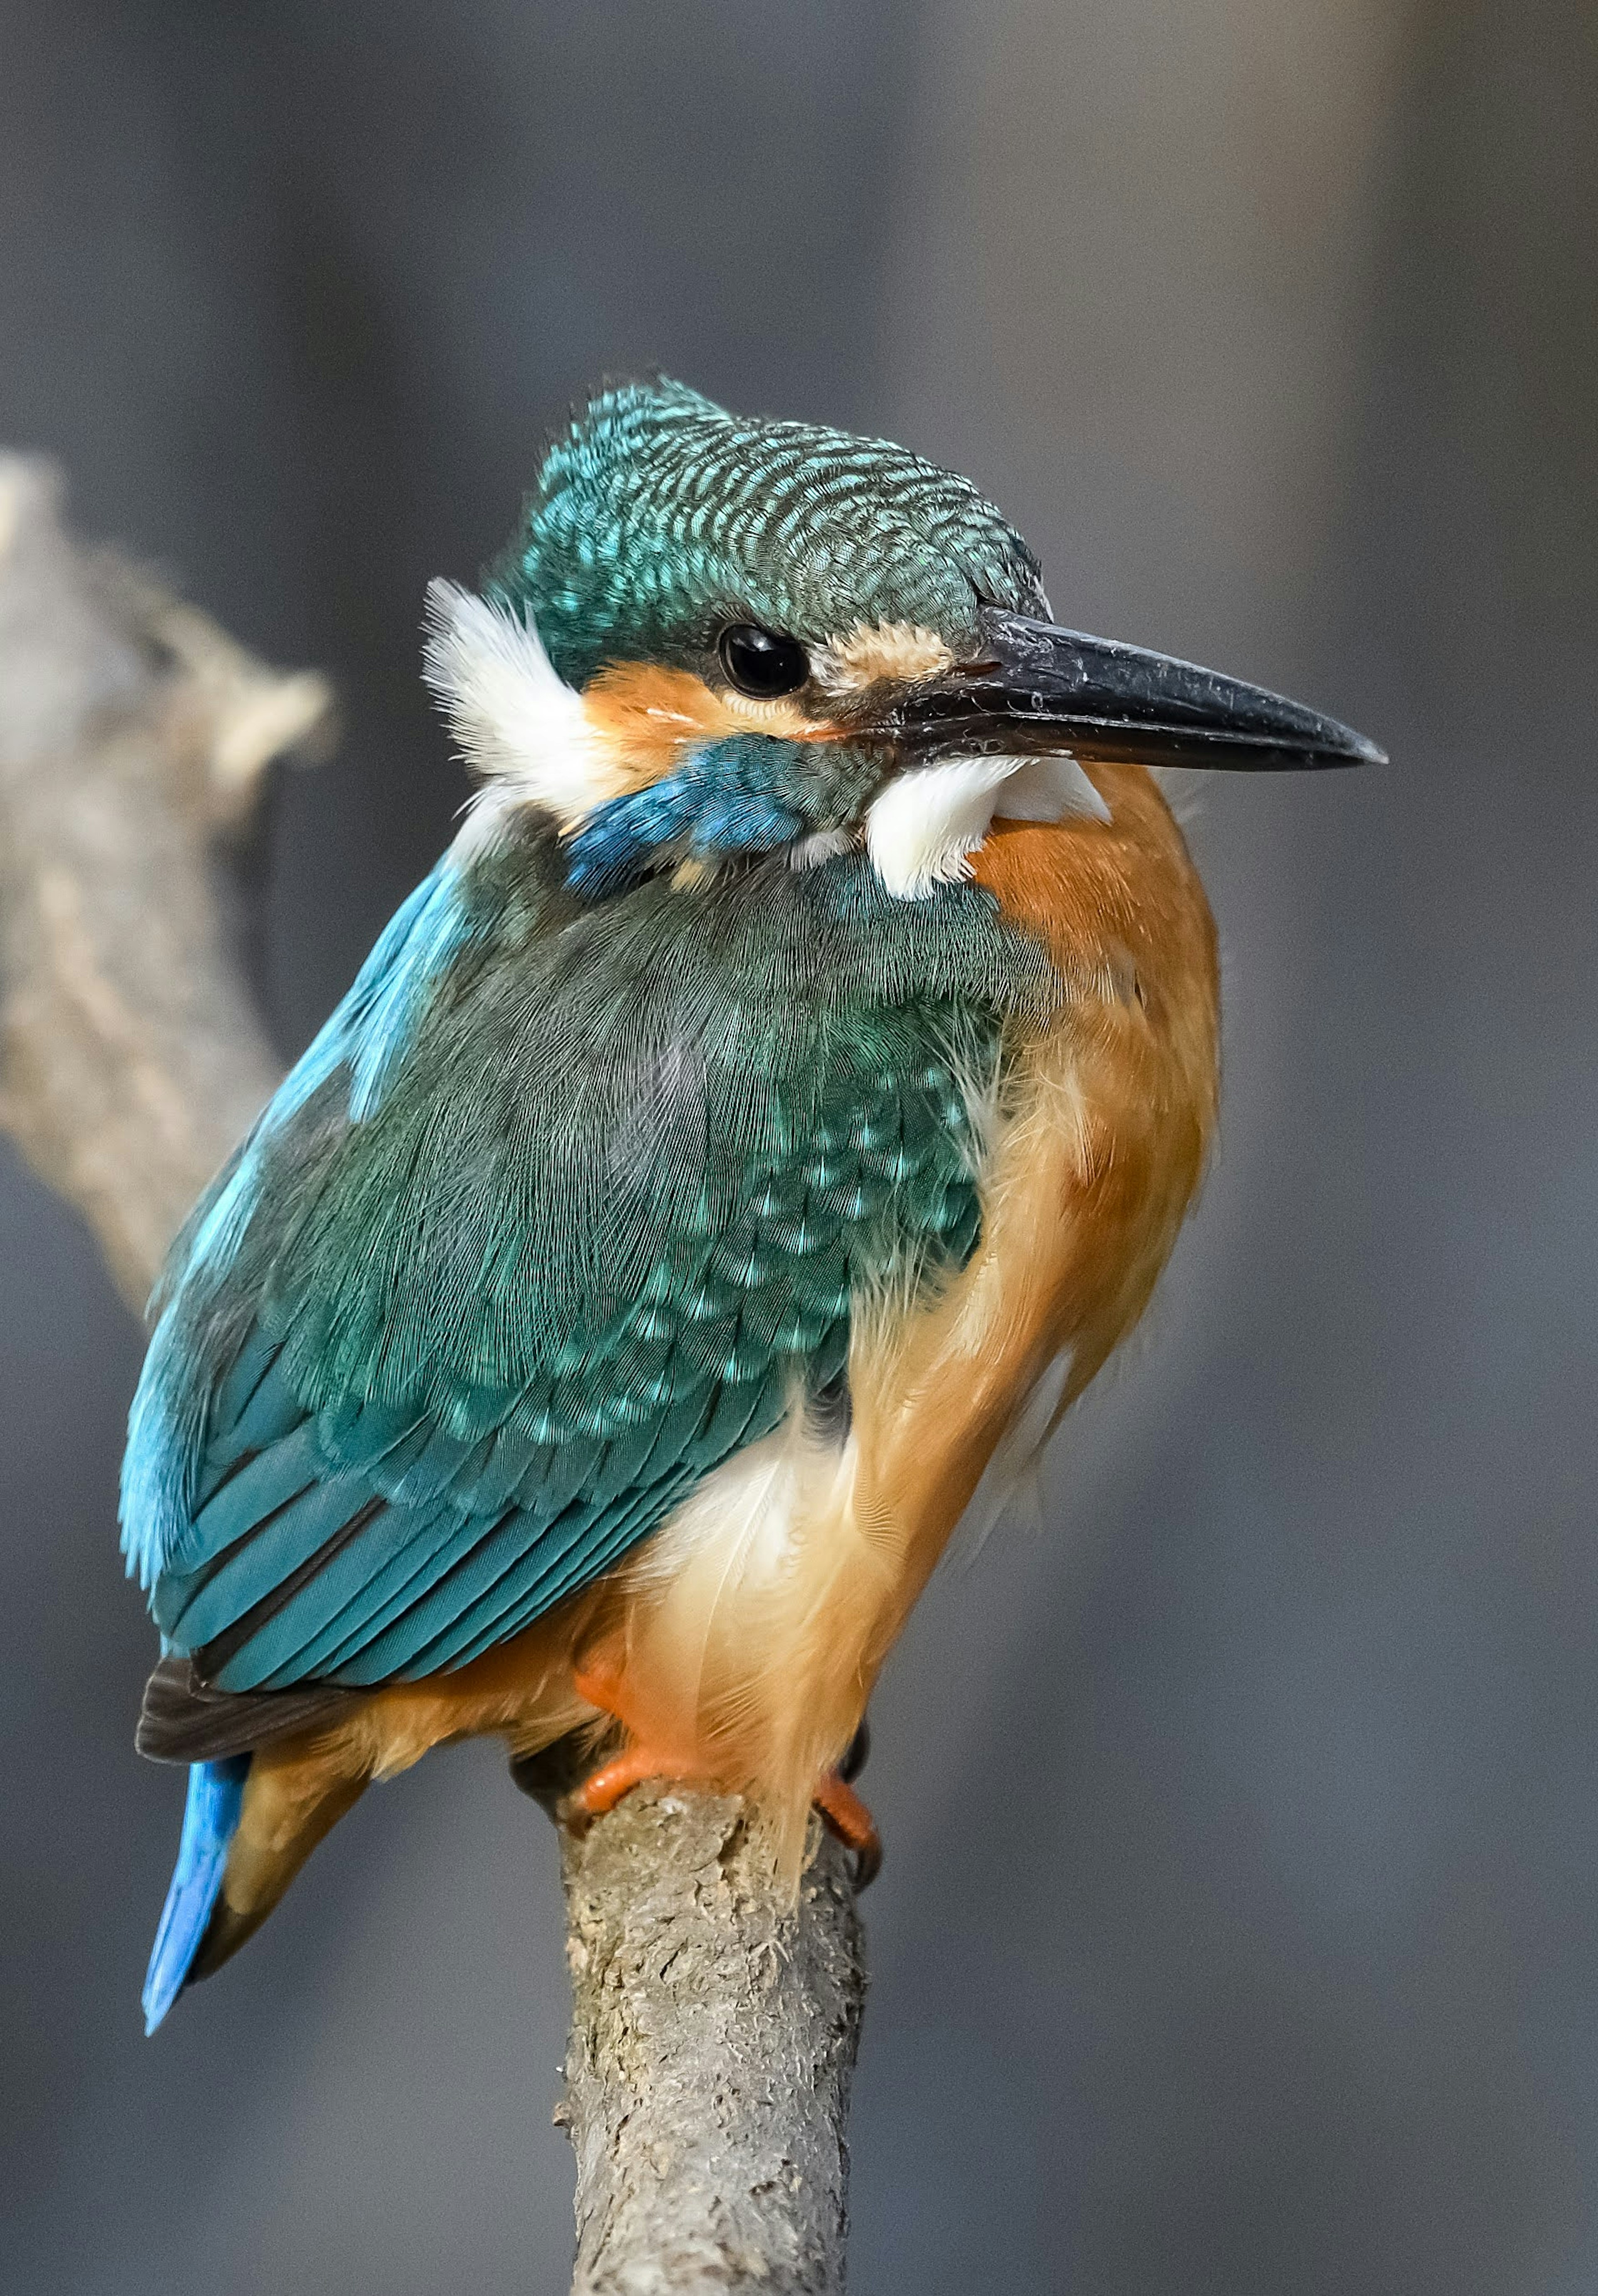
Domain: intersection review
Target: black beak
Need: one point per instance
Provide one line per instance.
(1040, 688)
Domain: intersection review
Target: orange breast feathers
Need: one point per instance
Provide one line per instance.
(1099, 1151)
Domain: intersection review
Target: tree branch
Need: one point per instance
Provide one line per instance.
(713, 2044)
(132, 740)
(715, 2024)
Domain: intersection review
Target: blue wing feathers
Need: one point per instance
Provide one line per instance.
(520, 1599)
(263, 1520)
(210, 1819)
(556, 1213)
(346, 1618)
(237, 1392)
(174, 1411)
(236, 1639)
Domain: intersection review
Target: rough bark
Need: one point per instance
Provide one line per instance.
(712, 2047)
(714, 2024)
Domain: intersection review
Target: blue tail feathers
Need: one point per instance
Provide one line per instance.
(210, 1819)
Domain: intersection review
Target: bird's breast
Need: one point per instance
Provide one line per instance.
(1106, 1117)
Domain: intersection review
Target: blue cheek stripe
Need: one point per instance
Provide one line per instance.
(727, 799)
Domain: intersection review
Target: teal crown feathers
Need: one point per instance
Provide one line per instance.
(658, 516)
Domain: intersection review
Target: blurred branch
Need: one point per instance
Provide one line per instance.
(714, 2024)
(134, 736)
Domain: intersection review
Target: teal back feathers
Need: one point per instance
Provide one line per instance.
(658, 516)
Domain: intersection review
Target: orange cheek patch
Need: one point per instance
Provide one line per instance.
(646, 716)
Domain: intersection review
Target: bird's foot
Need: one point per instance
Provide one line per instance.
(844, 1814)
(601, 1680)
(604, 1787)
(842, 1811)
(841, 1807)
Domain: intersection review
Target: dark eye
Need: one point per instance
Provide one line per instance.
(760, 663)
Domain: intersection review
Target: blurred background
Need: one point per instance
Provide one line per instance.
(1240, 1925)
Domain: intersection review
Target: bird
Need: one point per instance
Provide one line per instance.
(726, 1170)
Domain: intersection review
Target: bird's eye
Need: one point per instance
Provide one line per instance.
(760, 663)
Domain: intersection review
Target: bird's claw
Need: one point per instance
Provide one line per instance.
(604, 1787)
(841, 1809)
(571, 1816)
(845, 1816)
(856, 1753)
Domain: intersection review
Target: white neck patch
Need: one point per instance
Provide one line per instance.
(527, 737)
(517, 726)
(922, 830)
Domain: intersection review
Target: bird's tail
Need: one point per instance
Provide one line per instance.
(210, 1819)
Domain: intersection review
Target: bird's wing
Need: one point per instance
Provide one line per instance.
(564, 1206)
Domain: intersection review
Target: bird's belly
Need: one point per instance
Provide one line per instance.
(734, 1643)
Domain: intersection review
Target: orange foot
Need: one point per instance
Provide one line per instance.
(602, 1681)
(841, 1809)
(604, 1787)
(844, 1814)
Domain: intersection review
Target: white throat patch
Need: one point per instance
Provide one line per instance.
(926, 824)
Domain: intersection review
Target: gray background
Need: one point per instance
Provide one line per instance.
(1240, 1926)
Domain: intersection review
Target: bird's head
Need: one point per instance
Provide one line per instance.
(714, 638)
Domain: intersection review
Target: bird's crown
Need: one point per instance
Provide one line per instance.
(659, 518)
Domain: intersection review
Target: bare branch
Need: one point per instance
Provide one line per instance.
(132, 734)
(712, 2048)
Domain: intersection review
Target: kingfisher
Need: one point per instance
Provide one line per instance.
(726, 1168)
